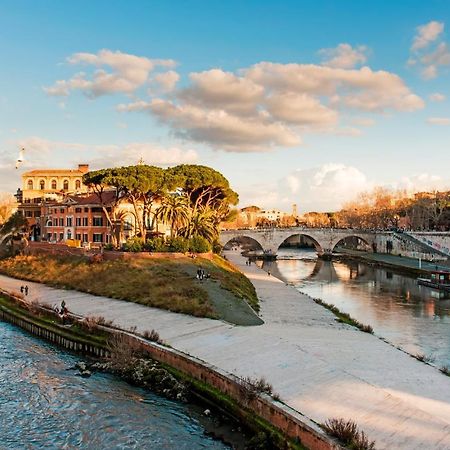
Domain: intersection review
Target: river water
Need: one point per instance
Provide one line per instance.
(44, 405)
(410, 316)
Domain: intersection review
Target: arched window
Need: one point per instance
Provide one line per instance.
(30, 184)
(66, 185)
(78, 184)
(42, 185)
(54, 184)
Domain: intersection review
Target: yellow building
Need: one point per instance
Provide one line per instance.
(41, 186)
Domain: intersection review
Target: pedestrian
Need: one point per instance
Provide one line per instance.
(26, 290)
(268, 273)
(63, 305)
(21, 289)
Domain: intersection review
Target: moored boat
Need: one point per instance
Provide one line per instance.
(439, 279)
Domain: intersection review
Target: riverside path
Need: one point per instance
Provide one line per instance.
(318, 366)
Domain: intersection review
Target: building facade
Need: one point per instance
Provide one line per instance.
(44, 186)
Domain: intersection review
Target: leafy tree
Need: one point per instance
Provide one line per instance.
(174, 210)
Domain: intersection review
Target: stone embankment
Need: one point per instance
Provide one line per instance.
(319, 368)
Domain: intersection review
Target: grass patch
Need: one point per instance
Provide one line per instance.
(344, 317)
(162, 283)
(347, 432)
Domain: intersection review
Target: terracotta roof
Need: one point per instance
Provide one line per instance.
(91, 199)
(44, 172)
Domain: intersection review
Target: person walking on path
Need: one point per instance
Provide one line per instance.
(26, 290)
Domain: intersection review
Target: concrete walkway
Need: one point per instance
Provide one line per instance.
(319, 367)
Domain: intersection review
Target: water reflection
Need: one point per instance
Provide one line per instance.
(411, 316)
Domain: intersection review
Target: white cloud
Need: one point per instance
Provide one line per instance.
(426, 34)
(423, 182)
(437, 97)
(439, 120)
(223, 90)
(363, 121)
(257, 108)
(344, 56)
(152, 154)
(166, 81)
(219, 128)
(125, 73)
(300, 109)
(430, 53)
(323, 188)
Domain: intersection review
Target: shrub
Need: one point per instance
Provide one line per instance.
(217, 247)
(155, 245)
(445, 370)
(152, 336)
(108, 247)
(347, 432)
(134, 244)
(198, 244)
(179, 244)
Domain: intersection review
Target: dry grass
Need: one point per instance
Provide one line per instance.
(161, 283)
(347, 432)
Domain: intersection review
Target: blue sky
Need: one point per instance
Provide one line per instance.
(272, 94)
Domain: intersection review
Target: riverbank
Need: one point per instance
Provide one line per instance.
(160, 282)
(319, 368)
(401, 264)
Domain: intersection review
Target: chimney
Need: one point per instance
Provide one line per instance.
(83, 168)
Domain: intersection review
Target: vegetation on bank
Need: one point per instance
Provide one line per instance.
(344, 317)
(347, 432)
(158, 282)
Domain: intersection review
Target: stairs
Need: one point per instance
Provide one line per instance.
(407, 238)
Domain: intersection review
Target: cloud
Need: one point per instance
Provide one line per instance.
(344, 56)
(426, 34)
(150, 153)
(300, 109)
(437, 97)
(116, 72)
(323, 188)
(423, 182)
(439, 120)
(363, 121)
(430, 52)
(217, 127)
(223, 90)
(166, 81)
(257, 108)
(362, 89)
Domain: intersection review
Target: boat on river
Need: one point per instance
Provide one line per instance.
(439, 279)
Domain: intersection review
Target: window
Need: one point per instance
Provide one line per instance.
(85, 222)
(78, 184)
(42, 185)
(86, 209)
(37, 214)
(61, 236)
(49, 237)
(78, 237)
(54, 185)
(78, 221)
(61, 210)
(96, 210)
(30, 184)
(97, 221)
(61, 221)
(54, 236)
(28, 213)
(66, 185)
(85, 237)
(98, 237)
(69, 221)
(69, 234)
(49, 223)
(77, 210)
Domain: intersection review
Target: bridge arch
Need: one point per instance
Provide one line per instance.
(243, 236)
(286, 237)
(368, 242)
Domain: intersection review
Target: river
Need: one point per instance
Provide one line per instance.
(45, 405)
(412, 317)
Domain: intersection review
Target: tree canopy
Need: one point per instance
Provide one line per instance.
(206, 192)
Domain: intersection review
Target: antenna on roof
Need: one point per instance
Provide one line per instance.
(141, 161)
(20, 158)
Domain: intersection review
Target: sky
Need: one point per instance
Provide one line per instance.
(306, 102)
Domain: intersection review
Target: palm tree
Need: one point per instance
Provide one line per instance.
(174, 210)
(201, 223)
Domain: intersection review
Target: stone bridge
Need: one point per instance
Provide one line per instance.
(324, 239)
